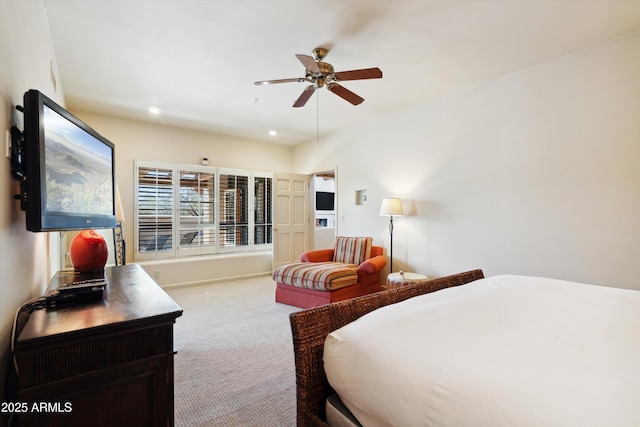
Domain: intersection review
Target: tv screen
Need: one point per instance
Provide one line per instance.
(324, 201)
(70, 170)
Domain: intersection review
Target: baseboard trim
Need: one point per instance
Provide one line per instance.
(218, 280)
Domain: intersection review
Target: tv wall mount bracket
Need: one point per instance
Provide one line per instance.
(17, 152)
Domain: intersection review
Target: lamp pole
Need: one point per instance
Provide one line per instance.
(391, 244)
(391, 207)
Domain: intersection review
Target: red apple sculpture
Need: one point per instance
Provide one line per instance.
(88, 251)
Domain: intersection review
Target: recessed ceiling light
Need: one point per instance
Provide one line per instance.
(273, 132)
(154, 109)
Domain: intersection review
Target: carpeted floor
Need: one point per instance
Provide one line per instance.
(234, 365)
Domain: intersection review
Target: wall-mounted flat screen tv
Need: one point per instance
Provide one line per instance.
(69, 170)
(325, 201)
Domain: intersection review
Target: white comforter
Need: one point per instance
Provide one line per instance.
(502, 351)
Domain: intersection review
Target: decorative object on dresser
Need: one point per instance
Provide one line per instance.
(351, 269)
(110, 361)
(391, 207)
(88, 252)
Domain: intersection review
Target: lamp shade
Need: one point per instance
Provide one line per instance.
(391, 207)
(119, 210)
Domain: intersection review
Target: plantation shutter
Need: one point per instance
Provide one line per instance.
(197, 211)
(234, 210)
(262, 211)
(155, 210)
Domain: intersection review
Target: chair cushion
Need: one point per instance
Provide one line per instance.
(352, 250)
(322, 276)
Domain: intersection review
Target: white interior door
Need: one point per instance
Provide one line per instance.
(291, 217)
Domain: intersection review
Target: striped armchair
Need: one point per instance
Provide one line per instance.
(351, 269)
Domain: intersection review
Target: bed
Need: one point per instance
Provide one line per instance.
(310, 327)
(504, 350)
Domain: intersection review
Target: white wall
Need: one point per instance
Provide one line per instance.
(534, 173)
(28, 61)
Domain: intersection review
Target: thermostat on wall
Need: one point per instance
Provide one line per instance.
(361, 197)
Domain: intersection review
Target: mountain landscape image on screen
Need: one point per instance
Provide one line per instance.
(78, 170)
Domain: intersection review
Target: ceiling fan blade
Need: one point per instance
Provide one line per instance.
(308, 62)
(304, 97)
(270, 82)
(345, 93)
(365, 73)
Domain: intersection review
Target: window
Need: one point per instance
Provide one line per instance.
(184, 210)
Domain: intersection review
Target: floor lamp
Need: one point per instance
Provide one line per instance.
(391, 207)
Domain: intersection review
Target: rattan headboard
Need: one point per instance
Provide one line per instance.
(310, 327)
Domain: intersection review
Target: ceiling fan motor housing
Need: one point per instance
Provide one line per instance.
(325, 74)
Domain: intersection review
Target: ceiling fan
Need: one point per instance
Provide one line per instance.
(320, 73)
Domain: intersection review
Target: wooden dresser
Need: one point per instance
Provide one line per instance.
(102, 363)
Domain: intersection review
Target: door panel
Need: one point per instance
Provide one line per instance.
(281, 245)
(291, 217)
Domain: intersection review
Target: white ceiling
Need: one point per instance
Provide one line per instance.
(198, 59)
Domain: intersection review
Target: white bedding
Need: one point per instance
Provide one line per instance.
(502, 351)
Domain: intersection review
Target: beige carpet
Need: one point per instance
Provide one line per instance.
(234, 365)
